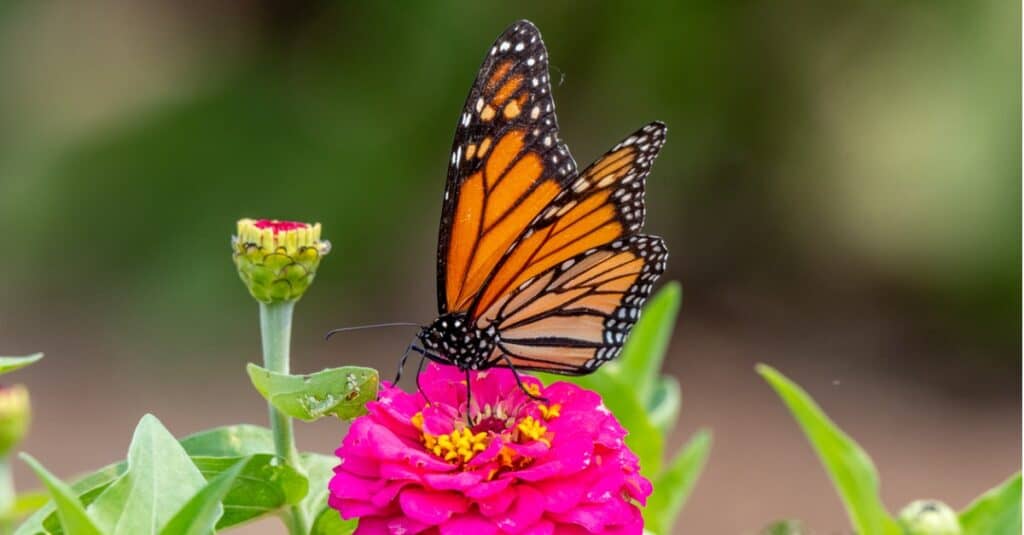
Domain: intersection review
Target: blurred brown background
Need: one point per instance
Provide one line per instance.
(840, 192)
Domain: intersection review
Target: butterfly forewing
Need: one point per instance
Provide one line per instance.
(602, 204)
(507, 165)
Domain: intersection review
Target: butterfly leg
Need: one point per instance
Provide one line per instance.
(519, 380)
(401, 362)
(469, 401)
(419, 372)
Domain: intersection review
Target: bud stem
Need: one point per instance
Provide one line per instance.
(7, 496)
(276, 331)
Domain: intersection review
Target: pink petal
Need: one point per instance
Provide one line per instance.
(496, 503)
(544, 527)
(390, 525)
(460, 481)
(430, 507)
(488, 488)
(468, 525)
(561, 494)
(528, 508)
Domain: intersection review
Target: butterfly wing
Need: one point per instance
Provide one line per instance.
(575, 317)
(568, 293)
(507, 165)
(603, 204)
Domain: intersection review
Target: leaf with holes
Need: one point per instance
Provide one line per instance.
(341, 392)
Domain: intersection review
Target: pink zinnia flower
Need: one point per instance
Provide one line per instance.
(524, 466)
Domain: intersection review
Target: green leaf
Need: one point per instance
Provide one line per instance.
(9, 364)
(71, 511)
(997, 512)
(45, 520)
(643, 438)
(342, 392)
(665, 405)
(849, 467)
(230, 441)
(319, 469)
(329, 522)
(200, 514)
(265, 485)
(642, 357)
(673, 486)
(160, 480)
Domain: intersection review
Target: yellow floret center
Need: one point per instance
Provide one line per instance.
(551, 412)
(461, 445)
(533, 430)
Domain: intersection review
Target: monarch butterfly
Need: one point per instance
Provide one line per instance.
(539, 267)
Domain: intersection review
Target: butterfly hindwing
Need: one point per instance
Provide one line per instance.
(507, 164)
(574, 317)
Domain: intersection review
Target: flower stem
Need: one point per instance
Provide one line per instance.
(7, 496)
(276, 330)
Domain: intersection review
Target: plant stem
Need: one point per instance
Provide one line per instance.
(276, 330)
(7, 496)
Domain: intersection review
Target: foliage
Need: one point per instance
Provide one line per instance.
(341, 392)
(997, 512)
(262, 486)
(10, 364)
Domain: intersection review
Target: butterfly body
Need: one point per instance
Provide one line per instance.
(453, 339)
(541, 266)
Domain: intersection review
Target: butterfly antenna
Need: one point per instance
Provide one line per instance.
(333, 332)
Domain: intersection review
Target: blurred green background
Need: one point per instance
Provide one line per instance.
(840, 193)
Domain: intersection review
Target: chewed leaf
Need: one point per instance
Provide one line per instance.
(341, 392)
(9, 364)
(849, 466)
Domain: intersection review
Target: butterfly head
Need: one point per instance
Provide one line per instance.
(453, 339)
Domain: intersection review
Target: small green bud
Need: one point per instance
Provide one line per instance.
(277, 260)
(14, 416)
(929, 517)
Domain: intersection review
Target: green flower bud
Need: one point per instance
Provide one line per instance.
(929, 517)
(14, 416)
(277, 260)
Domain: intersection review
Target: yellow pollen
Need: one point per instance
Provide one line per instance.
(461, 445)
(533, 430)
(533, 389)
(548, 413)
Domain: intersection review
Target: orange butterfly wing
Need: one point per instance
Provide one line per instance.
(507, 165)
(576, 316)
(602, 204)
